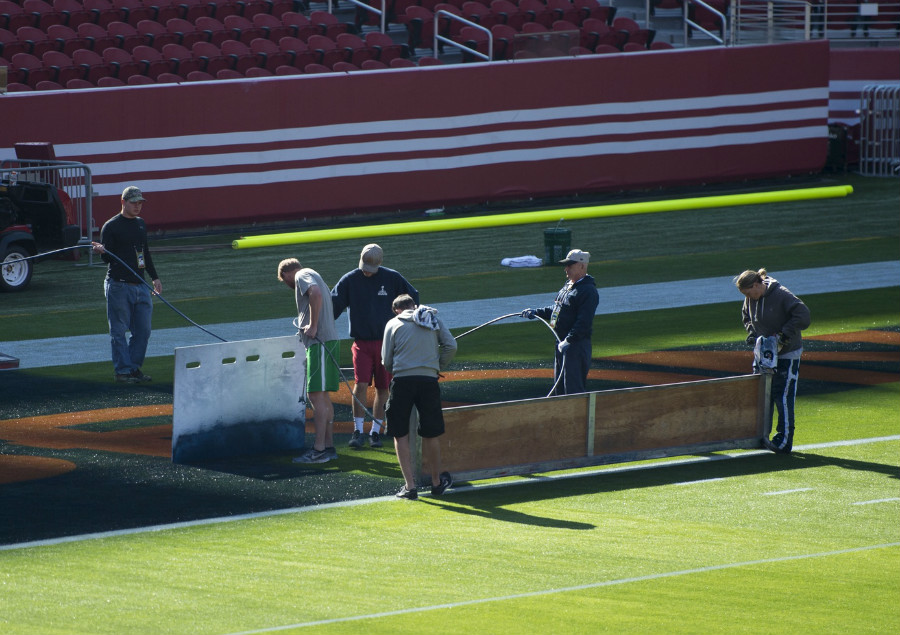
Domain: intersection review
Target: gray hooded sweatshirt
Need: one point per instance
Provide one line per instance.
(778, 311)
(417, 343)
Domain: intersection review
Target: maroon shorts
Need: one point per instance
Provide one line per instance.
(367, 364)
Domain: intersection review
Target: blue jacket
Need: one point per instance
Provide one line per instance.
(369, 300)
(577, 305)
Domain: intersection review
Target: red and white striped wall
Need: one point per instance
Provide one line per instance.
(288, 148)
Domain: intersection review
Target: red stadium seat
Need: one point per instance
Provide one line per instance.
(109, 81)
(272, 56)
(127, 35)
(385, 46)
(95, 67)
(67, 40)
(244, 58)
(243, 29)
(199, 76)
(97, 35)
(44, 12)
(214, 29)
(37, 40)
(185, 31)
(359, 50)
(328, 23)
(258, 71)
(212, 57)
(65, 67)
(157, 33)
(133, 11)
(373, 65)
(273, 27)
(124, 66)
(75, 84)
(154, 62)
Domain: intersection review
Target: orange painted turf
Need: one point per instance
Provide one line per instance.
(60, 431)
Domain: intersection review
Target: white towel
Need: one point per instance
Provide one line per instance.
(426, 317)
(522, 261)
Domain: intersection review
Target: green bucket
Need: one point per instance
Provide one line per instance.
(557, 242)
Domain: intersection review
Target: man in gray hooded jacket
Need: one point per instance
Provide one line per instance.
(417, 345)
(771, 310)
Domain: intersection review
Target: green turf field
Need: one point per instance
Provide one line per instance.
(747, 542)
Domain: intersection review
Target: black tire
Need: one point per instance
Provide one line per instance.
(15, 272)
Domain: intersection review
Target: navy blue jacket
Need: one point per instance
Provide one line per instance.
(577, 305)
(369, 300)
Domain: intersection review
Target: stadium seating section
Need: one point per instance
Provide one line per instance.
(75, 44)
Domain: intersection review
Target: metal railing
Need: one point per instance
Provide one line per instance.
(879, 131)
(438, 38)
(767, 21)
(69, 177)
(690, 24)
(382, 13)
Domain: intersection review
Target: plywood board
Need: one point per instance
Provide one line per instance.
(539, 435)
(676, 415)
(515, 432)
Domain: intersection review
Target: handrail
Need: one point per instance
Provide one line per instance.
(440, 38)
(775, 17)
(690, 23)
(382, 13)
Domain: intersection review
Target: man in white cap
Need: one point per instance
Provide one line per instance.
(368, 292)
(571, 316)
(129, 305)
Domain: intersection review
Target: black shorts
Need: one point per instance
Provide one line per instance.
(420, 392)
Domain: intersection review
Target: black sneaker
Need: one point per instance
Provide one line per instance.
(440, 488)
(140, 377)
(779, 444)
(375, 440)
(332, 453)
(409, 494)
(356, 440)
(313, 455)
(127, 379)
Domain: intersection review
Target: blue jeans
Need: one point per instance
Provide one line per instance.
(129, 307)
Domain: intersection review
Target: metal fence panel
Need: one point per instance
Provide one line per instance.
(879, 151)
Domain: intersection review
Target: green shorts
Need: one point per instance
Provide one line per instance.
(322, 372)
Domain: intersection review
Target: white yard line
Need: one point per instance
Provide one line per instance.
(466, 488)
(569, 589)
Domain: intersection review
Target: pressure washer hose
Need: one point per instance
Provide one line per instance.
(136, 275)
(336, 363)
(547, 324)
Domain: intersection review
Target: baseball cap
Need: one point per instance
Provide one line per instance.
(576, 255)
(132, 194)
(370, 258)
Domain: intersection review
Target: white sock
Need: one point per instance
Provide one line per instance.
(358, 422)
(376, 426)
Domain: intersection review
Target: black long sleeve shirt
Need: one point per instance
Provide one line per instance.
(126, 238)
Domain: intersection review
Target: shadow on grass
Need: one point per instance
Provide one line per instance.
(492, 501)
(494, 511)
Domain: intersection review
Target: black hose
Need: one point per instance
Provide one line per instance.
(136, 275)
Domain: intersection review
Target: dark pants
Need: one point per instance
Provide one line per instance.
(574, 368)
(782, 396)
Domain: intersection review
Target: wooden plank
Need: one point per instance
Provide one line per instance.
(614, 426)
(676, 415)
(514, 432)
